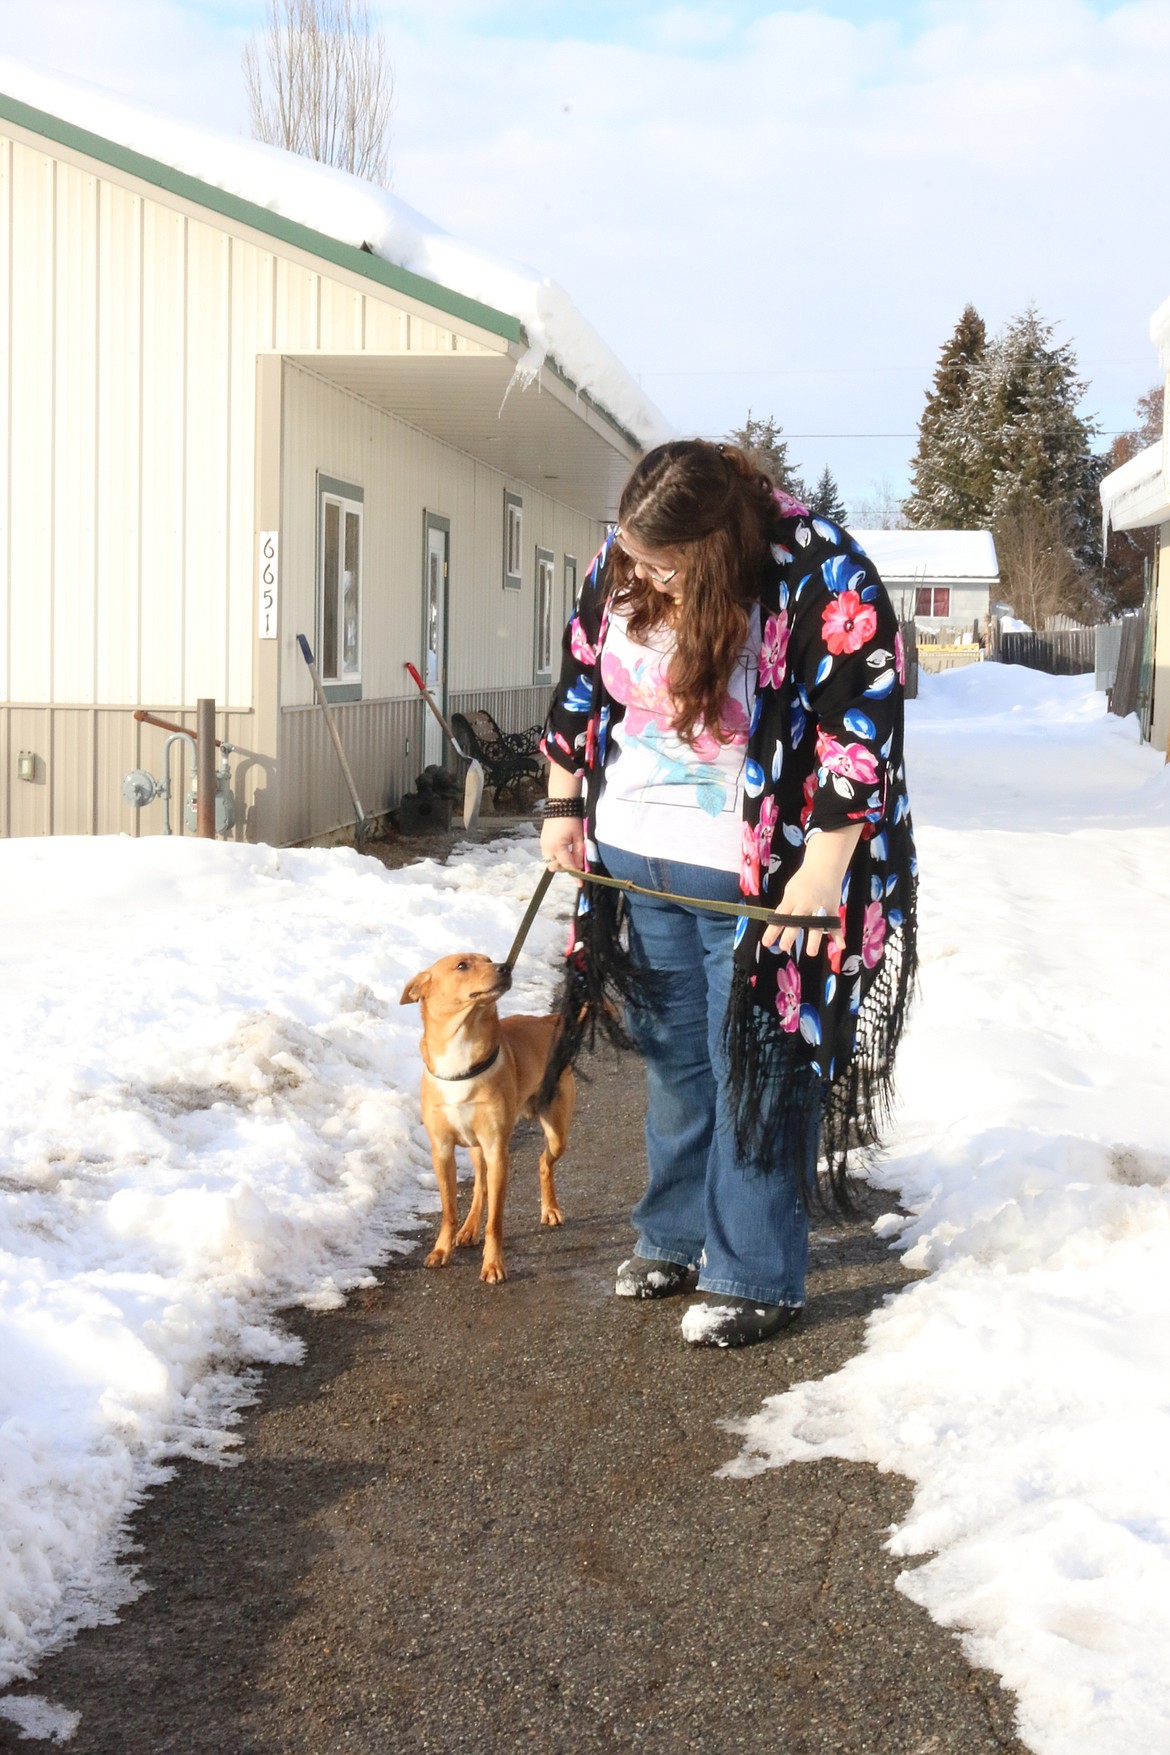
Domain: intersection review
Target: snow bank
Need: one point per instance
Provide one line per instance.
(210, 1110)
(356, 212)
(1024, 1384)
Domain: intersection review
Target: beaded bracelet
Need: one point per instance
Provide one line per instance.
(563, 807)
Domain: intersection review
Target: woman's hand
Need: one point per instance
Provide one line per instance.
(816, 888)
(562, 839)
(562, 844)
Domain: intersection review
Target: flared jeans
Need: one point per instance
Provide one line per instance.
(744, 1225)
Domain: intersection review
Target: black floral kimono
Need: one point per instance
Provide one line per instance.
(824, 751)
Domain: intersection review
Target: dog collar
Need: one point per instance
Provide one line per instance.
(473, 1072)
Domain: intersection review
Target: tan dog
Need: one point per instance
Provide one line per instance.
(481, 1073)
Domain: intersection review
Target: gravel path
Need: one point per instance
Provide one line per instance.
(488, 1519)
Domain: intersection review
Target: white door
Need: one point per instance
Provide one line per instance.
(435, 636)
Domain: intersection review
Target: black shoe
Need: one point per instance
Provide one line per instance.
(720, 1321)
(642, 1278)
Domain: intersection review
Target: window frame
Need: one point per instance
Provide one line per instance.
(546, 579)
(349, 498)
(513, 540)
(572, 585)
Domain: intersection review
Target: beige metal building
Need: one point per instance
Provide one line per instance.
(222, 429)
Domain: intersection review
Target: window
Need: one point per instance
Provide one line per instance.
(572, 589)
(545, 574)
(513, 515)
(339, 587)
(933, 600)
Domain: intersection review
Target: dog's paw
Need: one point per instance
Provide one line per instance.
(493, 1272)
(468, 1235)
(551, 1216)
(437, 1258)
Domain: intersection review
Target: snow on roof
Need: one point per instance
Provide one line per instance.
(1138, 493)
(931, 554)
(355, 212)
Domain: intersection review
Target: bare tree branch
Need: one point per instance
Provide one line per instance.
(320, 83)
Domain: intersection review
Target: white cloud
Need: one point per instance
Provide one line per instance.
(792, 220)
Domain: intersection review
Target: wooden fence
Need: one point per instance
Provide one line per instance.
(1058, 651)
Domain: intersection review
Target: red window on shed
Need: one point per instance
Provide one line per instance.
(933, 600)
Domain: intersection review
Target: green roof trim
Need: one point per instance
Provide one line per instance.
(261, 219)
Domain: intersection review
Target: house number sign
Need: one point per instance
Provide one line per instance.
(269, 580)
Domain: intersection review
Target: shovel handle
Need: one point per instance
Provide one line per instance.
(434, 707)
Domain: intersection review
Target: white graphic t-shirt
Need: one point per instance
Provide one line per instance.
(662, 798)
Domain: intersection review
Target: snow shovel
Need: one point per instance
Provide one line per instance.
(473, 785)
(361, 826)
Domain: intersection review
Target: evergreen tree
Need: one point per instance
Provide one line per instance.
(764, 440)
(1028, 441)
(825, 499)
(942, 496)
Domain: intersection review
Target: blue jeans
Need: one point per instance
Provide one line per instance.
(745, 1227)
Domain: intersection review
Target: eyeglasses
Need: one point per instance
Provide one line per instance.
(659, 575)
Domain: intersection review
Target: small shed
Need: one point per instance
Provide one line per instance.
(945, 581)
(248, 397)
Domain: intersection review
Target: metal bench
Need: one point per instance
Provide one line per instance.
(507, 757)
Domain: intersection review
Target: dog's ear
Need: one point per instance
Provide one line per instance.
(415, 988)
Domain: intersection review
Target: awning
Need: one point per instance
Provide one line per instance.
(1138, 494)
(542, 431)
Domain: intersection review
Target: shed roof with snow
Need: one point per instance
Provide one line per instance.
(912, 557)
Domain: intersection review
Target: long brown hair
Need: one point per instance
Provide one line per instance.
(713, 503)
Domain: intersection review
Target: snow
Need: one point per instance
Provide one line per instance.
(931, 554)
(358, 213)
(1138, 493)
(209, 1111)
(40, 1720)
(1023, 1384)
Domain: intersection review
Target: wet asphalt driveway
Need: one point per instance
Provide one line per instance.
(488, 1519)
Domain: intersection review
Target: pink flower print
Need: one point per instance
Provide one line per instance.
(900, 657)
(836, 949)
(733, 720)
(644, 691)
(773, 667)
(749, 870)
(591, 742)
(788, 997)
(847, 623)
(873, 936)
(851, 760)
(810, 793)
(789, 505)
(765, 829)
(582, 651)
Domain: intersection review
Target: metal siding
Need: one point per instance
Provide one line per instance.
(28, 800)
(340, 321)
(209, 465)
(294, 306)
(253, 274)
(164, 305)
(71, 777)
(374, 735)
(115, 752)
(117, 561)
(32, 405)
(6, 229)
(74, 487)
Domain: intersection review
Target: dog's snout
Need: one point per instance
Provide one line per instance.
(504, 976)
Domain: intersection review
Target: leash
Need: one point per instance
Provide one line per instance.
(809, 922)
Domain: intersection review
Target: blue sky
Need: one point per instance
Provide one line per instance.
(776, 208)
